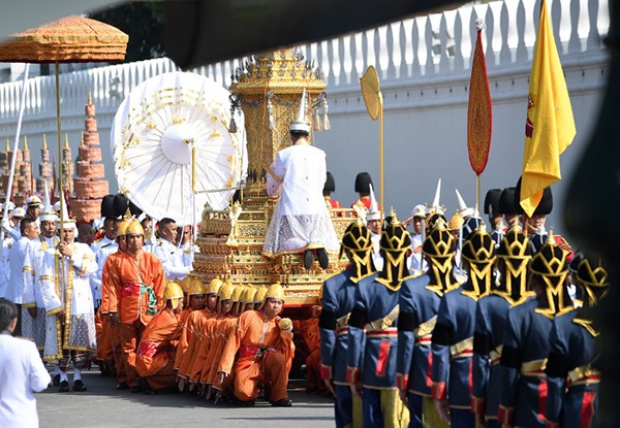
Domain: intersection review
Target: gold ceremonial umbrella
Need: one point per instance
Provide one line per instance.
(374, 104)
(69, 39)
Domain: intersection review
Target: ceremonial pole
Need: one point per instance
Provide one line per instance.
(479, 114)
(18, 131)
(374, 104)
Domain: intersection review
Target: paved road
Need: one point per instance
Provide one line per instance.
(104, 407)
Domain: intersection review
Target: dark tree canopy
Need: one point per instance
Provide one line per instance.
(143, 22)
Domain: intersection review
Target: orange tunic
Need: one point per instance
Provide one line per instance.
(108, 347)
(202, 347)
(132, 280)
(224, 328)
(191, 337)
(263, 354)
(136, 288)
(157, 348)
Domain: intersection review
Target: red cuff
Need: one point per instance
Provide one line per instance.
(353, 375)
(402, 381)
(438, 391)
(326, 372)
(505, 415)
(478, 405)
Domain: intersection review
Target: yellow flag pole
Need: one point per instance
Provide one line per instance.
(60, 159)
(381, 181)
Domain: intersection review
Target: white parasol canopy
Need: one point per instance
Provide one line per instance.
(153, 134)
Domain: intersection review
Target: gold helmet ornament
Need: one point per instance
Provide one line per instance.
(395, 243)
(549, 269)
(274, 291)
(595, 281)
(433, 220)
(214, 285)
(261, 292)
(174, 293)
(185, 283)
(226, 291)
(134, 228)
(439, 247)
(121, 229)
(357, 240)
(195, 286)
(456, 222)
(237, 292)
(250, 292)
(514, 254)
(479, 252)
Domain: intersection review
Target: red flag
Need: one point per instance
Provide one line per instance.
(479, 111)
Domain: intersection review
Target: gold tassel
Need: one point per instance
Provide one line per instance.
(271, 119)
(326, 124)
(316, 120)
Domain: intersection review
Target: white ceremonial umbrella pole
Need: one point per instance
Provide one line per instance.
(18, 131)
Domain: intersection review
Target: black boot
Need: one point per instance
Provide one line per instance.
(308, 259)
(323, 258)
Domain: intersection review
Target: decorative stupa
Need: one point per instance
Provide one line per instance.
(90, 183)
(67, 168)
(22, 181)
(24, 172)
(46, 170)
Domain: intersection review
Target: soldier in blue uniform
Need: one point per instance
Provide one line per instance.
(337, 303)
(419, 303)
(509, 207)
(491, 208)
(513, 256)
(453, 337)
(571, 375)
(376, 308)
(523, 384)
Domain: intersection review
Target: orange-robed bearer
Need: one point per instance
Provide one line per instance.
(136, 293)
(263, 345)
(158, 344)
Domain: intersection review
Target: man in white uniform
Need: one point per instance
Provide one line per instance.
(301, 221)
(102, 249)
(168, 253)
(415, 261)
(374, 222)
(70, 322)
(17, 257)
(33, 325)
(22, 373)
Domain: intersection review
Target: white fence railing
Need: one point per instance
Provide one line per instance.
(418, 48)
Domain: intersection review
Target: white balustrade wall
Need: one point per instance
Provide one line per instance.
(424, 67)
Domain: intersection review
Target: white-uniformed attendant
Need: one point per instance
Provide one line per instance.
(168, 253)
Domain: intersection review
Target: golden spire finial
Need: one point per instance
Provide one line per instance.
(44, 142)
(394, 221)
(550, 237)
(90, 97)
(25, 142)
(8, 145)
(440, 224)
(66, 139)
(82, 139)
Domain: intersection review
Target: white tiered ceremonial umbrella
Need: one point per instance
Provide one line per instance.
(173, 152)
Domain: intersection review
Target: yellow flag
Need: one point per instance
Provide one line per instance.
(550, 126)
